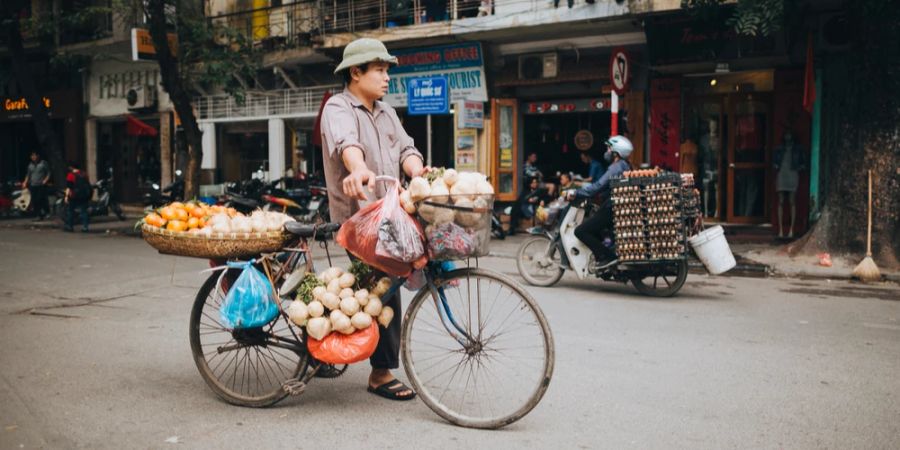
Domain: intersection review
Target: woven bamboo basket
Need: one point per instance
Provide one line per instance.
(215, 246)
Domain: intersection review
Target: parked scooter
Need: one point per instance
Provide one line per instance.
(102, 206)
(544, 258)
(159, 197)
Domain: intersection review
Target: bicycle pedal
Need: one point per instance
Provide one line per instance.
(294, 387)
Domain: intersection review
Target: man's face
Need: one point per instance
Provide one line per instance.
(374, 82)
(564, 179)
(585, 158)
(534, 184)
(532, 158)
(35, 157)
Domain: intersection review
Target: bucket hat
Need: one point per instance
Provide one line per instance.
(365, 50)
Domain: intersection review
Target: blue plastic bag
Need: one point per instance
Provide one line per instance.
(251, 300)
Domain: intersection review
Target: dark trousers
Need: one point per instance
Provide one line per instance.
(387, 353)
(591, 231)
(82, 207)
(39, 200)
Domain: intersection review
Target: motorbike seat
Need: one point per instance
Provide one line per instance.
(320, 232)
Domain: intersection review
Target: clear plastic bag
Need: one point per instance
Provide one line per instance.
(250, 301)
(402, 249)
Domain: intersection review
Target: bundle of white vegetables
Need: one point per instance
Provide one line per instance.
(258, 222)
(464, 189)
(335, 306)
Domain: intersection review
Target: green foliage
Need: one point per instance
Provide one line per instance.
(304, 291)
(365, 276)
(747, 17)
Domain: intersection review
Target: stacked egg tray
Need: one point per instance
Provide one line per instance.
(649, 219)
(690, 197)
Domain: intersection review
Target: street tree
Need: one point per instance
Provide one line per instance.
(210, 55)
(860, 122)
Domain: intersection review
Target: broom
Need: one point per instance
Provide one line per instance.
(867, 271)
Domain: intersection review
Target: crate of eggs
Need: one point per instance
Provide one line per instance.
(648, 216)
(690, 196)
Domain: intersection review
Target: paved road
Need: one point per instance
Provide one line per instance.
(95, 354)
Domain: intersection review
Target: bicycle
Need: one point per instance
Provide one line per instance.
(476, 347)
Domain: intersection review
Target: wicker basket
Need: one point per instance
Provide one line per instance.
(215, 246)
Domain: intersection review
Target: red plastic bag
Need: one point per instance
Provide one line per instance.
(339, 348)
(384, 236)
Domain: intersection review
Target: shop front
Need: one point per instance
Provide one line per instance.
(729, 121)
(129, 130)
(18, 137)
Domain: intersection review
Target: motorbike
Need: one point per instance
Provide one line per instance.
(307, 204)
(543, 258)
(101, 207)
(162, 196)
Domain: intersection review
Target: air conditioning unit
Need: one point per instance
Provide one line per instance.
(141, 97)
(535, 67)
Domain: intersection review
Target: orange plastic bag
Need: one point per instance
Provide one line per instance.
(339, 348)
(359, 235)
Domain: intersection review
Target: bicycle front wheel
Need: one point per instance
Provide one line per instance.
(499, 375)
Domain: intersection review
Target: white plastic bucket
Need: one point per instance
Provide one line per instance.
(713, 250)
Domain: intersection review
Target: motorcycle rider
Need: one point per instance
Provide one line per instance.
(591, 231)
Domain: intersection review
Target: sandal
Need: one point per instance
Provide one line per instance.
(391, 391)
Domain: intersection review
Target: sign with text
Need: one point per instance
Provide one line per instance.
(466, 149)
(142, 48)
(428, 95)
(567, 106)
(470, 115)
(461, 64)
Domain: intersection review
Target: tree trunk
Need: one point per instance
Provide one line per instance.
(862, 98)
(180, 96)
(49, 145)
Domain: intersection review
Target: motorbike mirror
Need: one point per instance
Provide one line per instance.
(155, 186)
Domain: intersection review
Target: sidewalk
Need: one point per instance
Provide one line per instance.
(754, 259)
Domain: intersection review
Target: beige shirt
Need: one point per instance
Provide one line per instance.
(346, 122)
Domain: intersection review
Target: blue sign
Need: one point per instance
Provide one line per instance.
(428, 95)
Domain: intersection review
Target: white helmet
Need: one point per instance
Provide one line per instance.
(620, 145)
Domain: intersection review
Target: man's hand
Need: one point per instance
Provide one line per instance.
(358, 182)
(413, 167)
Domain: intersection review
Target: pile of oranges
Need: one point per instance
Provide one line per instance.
(184, 217)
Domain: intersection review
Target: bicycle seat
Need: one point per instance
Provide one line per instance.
(320, 232)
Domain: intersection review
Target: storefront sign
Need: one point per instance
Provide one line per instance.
(470, 115)
(142, 45)
(428, 95)
(619, 72)
(461, 64)
(680, 39)
(584, 140)
(567, 106)
(111, 80)
(665, 122)
(466, 151)
(21, 104)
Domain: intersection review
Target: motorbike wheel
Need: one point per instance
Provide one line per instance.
(538, 261)
(664, 280)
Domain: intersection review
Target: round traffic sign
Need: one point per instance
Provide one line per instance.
(619, 71)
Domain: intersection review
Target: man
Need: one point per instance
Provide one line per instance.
(590, 232)
(77, 197)
(565, 182)
(362, 138)
(36, 179)
(595, 168)
(530, 170)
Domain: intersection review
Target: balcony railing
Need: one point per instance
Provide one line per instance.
(286, 102)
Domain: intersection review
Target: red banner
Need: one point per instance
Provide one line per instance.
(665, 122)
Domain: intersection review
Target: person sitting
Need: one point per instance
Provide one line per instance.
(527, 203)
(591, 231)
(595, 168)
(565, 183)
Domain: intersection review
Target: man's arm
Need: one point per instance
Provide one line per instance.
(354, 185)
(413, 166)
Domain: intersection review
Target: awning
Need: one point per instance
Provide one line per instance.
(135, 127)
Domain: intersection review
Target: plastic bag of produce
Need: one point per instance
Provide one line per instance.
(250, 301)
(339, 348)
(449, 241)
(402, 249)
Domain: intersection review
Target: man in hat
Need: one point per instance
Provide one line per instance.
(362, 138)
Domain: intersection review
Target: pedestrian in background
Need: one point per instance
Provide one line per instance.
(78, 197)
(36, 179)
(595, 168)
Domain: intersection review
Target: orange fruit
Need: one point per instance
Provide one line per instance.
(176, 205)
(167, 212)
(154, 220)
(181, 215)
(193, 222)
(198, 212)
(177, 225)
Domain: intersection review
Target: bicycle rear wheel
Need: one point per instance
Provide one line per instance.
(499, 376)
(244, 367)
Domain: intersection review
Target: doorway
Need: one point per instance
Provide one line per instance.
(732, 133)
